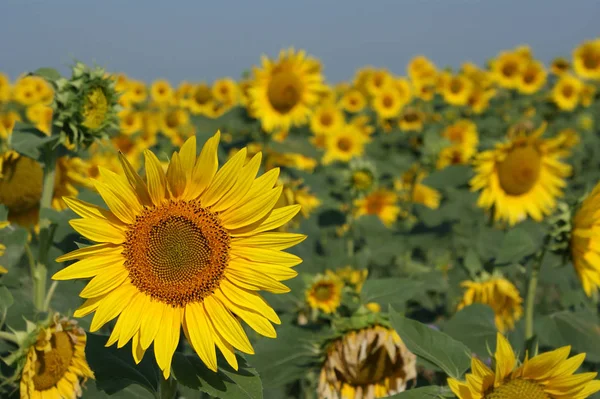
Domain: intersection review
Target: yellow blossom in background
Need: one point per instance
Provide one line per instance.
(420, 68)
(344, 144)
(7, 123)
(507, 68)
(586, 60)
(523, 176)
(411, 120)
(130, 121)
(368, 363)
(532, 78)
(547, 375)
(457, 90)
(387, 102)
(381, 203)
(325, 292)
(377, 80)
(40, 116)
(161, 92)
(588, 93)
(411, 186)
(463, 138)
(226, 91)
(353, 101)
(355, 278)
(5, 88)
(326, 119)
(559, 66)
(566, 92)
(499, 294)
(3, 225)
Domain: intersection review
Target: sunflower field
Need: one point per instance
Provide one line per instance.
(427, 233)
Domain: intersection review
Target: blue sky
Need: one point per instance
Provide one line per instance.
(203, 40)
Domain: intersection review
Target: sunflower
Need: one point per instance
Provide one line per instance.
(137, 91)
(411, 185)
(500, 294)
(172, 121)
(404, 88)
(40, 116)
(479, 100)
(5, 88)
(161, 92)
(55, 366)
(344, 144)
(7, 123)
(361, 177)
(411, 120)
(381, 203)
(545, 376)
(387, 102)
(226, 91)
(327, 118)
(284, 92)
(560, 66)
(584, 242)
(202, 99)
(95, 109)
(586, 60)
(506, 69)
(457, 90)
(588, 95)
(463, 133)
(190, 247)
(566, 92)
(369, 363)
(354, 278)
(420, 68)
(296, 193)
(183, 95)
(523, 176)
(378, 80)
(325, 292)
(353, 101)
(130, 121)
(532, 78)
(70, 173)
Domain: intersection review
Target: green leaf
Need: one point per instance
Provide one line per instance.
(475, 327)
(516, 245)
(14, 238)
(434, 346)
(47, 73)
(452, 176)
(579, 331)
(472, 262)
(393, 291)
(115, 369)
(424, 393)
(27, 140)
(226, 383)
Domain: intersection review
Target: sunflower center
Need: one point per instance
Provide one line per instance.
(95, 108)
(529, 76)
(591, 60)
(177, 252)
(509, 69)
(455, 135)
(520, 171)
(518, 389)
(324, 291)
(21, 184)
(374, 205)
(202, 95)
(344, 144)
(456, 86)
(568, 91)
(326, 119)
(284, 91)
(388, 101)
(51, 366)
(172, 120)
(362, 180)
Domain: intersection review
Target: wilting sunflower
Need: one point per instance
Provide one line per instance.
(457, 90)
(411, 120)
(566, 92)
(498, 293)
(381, 203)
(55, 366)
(190, 248)
(353, 101)
(586, 60)
(545, 376)
(506, 69)
(326, 119)
(532, 77)
(284, 92)
(560, 66)
(523, 176)
(325, 292)
(368, 363)
(387, 102)
(585, 242)
(344, 144)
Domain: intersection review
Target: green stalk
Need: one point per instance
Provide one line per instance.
(531, 290)
(167, 388)
(8, 337)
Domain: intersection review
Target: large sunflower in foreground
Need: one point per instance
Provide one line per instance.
(585, 242)
(284, 92)
(549, 375)
(523, 176)
(189, 247)
(367, 364)
(55, 365)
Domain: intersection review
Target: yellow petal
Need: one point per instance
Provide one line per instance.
(90, 267)
(135, 181)
(227, 325)
(202, 340)
(167, 339)
(276, 219)
(151, 322)
(187, 156)
(110, 278)
(121, 187)
(92, 250)
(258, 323)
(98, 230)
(176, 176)
(121, 209)
(260, 185)
(89, 306)
(276, 272)
(249, 299)
(224, 346)
(263, 255)
(91, 211)
(253, 280)
(132, 318)
(157, 182)
(242, 185)
(272, 240)
(136, 349)
(205, 168)
(112, 305)
(505, 359)
(224, 180)
(252, 211)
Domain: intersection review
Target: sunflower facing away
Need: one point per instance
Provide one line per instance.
(500, 294)
(325, 292)
(585, 242)
(549, 375)
(186, 248)
(523, 176)
(368, 363)
(284, 92)
(55, 365)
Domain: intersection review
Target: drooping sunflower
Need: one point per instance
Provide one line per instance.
(524, 176)
(369, 363)
(586, 60)
(189, 247)
(500, 294)
(344, 144)
(387, 102)
(284, 92)
(353, 101)
(457, 90)
(411, 120)
(566, 92)
(532, 77)
(549, 375)
(327, 118)
(55, 366)
(381, 203)
(325, 292)
(585, 242)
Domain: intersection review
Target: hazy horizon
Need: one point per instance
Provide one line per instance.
(195, 41)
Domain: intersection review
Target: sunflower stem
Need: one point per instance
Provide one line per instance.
(531, 290)
(8, 337)
(49, 295)
(168, 388)
(49, 176)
